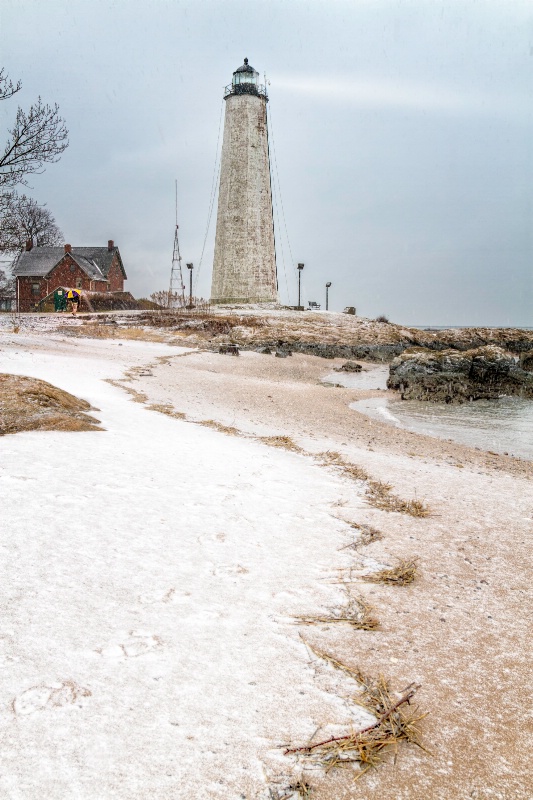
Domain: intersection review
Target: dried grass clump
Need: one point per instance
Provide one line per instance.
(202, 322)
(333, 459)
(357, 613)
(298, 789)
(280, 441)
(94, 330)
(218, 426)
(366, 748)
(402, 574)
(366, 535)
(29, 404)
(137, 397)
(380, 496)
(166, 408)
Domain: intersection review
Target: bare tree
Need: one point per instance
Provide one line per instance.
(23, 219)
(7, 285)
(38, 137)
(167, 299)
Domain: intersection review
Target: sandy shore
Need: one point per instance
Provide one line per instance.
(461, 629)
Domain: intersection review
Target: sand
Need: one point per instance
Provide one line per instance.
(461, 630)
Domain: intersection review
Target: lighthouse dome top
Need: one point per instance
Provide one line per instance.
(245, 81)
(246, 67)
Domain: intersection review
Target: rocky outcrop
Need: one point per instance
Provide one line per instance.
(453, 376)
(349, 366)
(526, 361)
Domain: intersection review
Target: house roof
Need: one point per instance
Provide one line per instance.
(94, 261)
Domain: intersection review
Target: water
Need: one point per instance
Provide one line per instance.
(503, 426)
(369, 378)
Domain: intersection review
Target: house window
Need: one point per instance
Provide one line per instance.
(79, 283)
(36, 289)
(73, 267)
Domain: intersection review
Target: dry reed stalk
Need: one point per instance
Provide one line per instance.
(357, 612)
(402, 574)
(281, 441)
(366, 748)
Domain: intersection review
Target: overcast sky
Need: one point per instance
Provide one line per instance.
(402, 130)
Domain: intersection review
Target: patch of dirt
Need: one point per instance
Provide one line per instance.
(29, 404)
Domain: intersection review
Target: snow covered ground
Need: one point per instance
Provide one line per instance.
(150, 574)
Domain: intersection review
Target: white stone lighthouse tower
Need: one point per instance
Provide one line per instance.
(244, 265)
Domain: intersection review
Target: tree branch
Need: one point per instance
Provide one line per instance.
(409, 692)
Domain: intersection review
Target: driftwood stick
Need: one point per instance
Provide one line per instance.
(409, 692)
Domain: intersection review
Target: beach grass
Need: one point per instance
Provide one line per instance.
(30, 404)
(402, 574)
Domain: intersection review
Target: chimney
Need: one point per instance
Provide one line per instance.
(68, 248)
(110, 244)
(29, 245)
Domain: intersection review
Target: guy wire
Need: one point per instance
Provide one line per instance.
(278, 194)
(214, 184)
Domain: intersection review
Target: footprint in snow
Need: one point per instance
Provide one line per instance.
(230, 569)
(159, 596)
(212, 538)
(138, 643)
(48, 695)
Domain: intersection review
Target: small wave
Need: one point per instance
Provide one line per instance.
(502, 426)
(384, 412)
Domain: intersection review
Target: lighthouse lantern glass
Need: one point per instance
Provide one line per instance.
(245, 77)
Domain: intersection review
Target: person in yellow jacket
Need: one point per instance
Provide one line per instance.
(74, 297)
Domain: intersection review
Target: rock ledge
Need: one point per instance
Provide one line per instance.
(451, 376)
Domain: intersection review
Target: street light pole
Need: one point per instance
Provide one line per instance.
(300, 268)
(328, 284)
(190, 268)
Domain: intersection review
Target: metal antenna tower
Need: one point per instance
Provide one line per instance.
(176, 292)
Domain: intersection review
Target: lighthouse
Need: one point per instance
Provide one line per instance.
(244, 264)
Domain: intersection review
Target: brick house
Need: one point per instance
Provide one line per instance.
(41, 270)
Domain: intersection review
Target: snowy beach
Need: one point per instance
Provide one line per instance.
(153, 571)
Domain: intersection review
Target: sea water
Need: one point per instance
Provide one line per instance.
(501, 426)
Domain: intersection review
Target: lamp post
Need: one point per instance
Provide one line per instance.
(300, 268)
(328, 284)
(190, 267)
